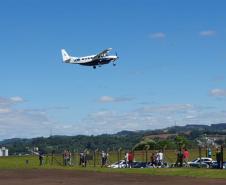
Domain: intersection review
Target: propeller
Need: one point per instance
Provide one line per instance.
(116, 54)
(115, 59)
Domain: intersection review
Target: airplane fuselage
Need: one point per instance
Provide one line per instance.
(92, 60)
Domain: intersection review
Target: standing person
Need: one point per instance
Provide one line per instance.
(160, 156)
(126, 159)
(130, 158)
(65, 157)
(84, 159)
(153, 159)
(81, 158)
(157, 159)
(41, 158)
(103, 159)
(107, 159)
(186, 156)
(179, 158)
(209, 153)
(69, 158)
(218, 158)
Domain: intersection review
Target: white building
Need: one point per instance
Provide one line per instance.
(4, 152)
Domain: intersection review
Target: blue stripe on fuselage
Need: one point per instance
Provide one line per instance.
(97, 62)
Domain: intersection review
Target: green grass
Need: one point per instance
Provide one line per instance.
(32, 162)
(189, 172)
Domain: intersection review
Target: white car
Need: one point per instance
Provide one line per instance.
(205, 162)
(119, 164)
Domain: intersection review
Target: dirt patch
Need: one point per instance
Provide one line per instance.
(72, 177)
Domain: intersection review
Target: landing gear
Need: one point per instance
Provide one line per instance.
(114, 64)
(94, 67)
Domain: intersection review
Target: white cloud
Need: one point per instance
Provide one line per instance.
(110, 99)
(4, 110)
(218, 92)
(169, 108)
(16, 99)
(19, 122)
(207, 33)
(148, 117)
(157, 35)
(106, 99)
(10, 101)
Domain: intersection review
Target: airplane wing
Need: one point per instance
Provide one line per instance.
(102, 53)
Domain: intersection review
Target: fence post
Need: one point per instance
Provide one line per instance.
(119, 156)
(200, 156)
(163, 151)
(52, 157)
(146, 153)
(74, 157)
(94, 157)
(222, 156)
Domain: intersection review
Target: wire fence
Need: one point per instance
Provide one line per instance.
(94, 159)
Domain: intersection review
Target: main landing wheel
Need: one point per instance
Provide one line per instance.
(94, 67)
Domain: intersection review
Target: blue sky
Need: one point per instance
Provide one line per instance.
(171, 68)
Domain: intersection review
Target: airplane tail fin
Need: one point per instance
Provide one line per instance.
(65, 55)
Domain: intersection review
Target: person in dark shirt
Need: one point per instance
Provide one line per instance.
(41, 157)
(218, 158)
(179, 158)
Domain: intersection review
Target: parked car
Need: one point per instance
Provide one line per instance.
(139, 165)
(205, 162)
(214, 165)
(164, 165)
(118, 164)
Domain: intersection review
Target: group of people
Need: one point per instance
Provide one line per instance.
(182, 157)
(129, 158)
(157, 159)
(67, 158)
(104, 158)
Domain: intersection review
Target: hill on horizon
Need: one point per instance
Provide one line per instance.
(123, 139)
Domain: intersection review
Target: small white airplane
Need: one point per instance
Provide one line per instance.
(92, 60)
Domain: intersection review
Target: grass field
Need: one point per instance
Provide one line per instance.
(32, 162)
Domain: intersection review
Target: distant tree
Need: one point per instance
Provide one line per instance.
(181, 141)
(144, 143)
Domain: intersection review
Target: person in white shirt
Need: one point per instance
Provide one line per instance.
(160, 158)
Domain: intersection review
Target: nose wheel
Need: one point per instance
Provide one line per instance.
(114, 64)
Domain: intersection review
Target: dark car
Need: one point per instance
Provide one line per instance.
(214, 165)
(139, 165)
